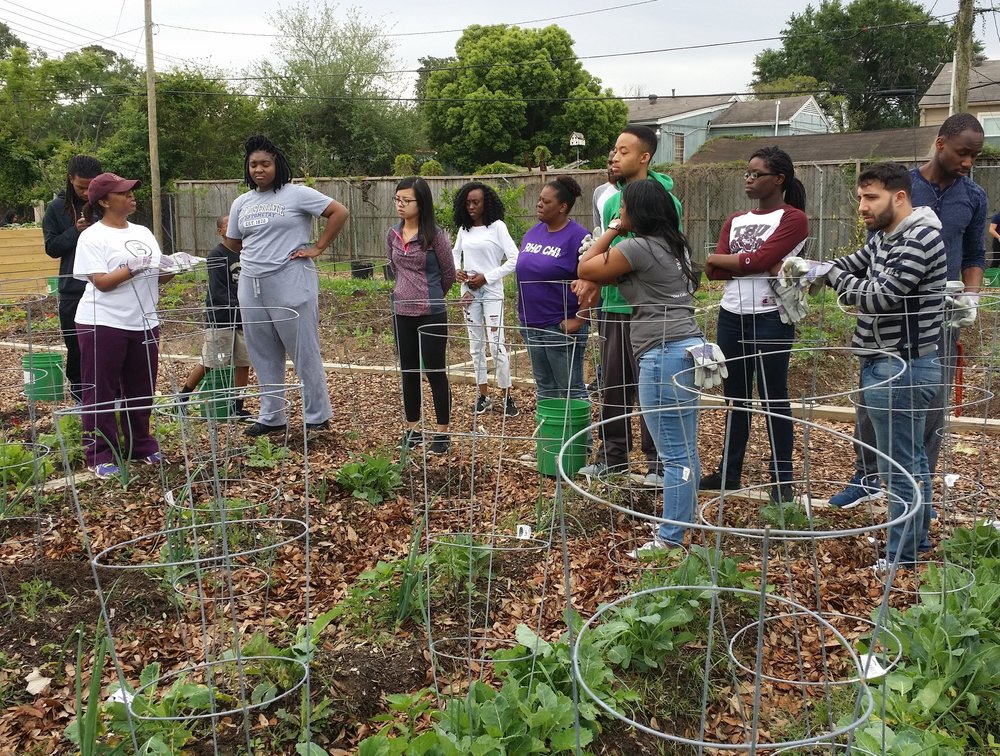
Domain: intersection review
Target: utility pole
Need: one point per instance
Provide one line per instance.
(963, 57)
(154, 145)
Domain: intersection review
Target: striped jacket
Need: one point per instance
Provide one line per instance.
(896, 282)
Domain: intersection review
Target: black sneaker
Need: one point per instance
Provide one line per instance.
(325, 425)
(260, 429)
(483, 404)
(440, 444)
(509, 408)
(595, 386)
(713, 482)
(242, 416)
(411, 438)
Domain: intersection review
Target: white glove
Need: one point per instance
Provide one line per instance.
(180, 262)
(138, 264)
(709, 365)
(805, 274)
(791, 298)
(588, 241)
(961, 309)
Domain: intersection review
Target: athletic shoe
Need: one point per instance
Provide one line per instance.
(713, 482)
(105, 470)
(781, 493)
(483, 404)
(527, 457)
(439, 445)
(411, 437)
(595, 386)
(651, 549)
(652, 480)
(153, 459)
(509, 408)
(594, 470)
(260, 429)
(242, 415)
(325, 425)
(854, 493)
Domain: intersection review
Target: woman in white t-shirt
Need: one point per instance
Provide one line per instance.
(483, 241)
(752, 333)
(119, 328)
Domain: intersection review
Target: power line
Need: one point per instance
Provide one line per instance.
(422, 33)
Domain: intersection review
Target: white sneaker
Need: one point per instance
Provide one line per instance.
(651, 549)
(594, 470)
(527, 457)
(652, 480)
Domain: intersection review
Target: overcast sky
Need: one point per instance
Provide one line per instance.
(608, 26)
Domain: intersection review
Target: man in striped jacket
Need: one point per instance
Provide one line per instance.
(896, 283)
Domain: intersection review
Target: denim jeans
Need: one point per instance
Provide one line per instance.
(756, 344)
(898, 412)
(556, 361)
(674, 429)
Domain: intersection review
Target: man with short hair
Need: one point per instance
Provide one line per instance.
(896, 282)
(604, 191)
(634, 149)
(943, 185)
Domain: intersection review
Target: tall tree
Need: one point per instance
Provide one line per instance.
(331, 98)
(866, 51)
(8, 40)
(510, 90)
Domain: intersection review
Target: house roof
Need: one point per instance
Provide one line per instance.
(644, 111)
(761, 111)
(984, 85)
(887, 144)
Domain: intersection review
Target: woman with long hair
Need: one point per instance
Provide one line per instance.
(419, 255)
(483, 241)
(654, 273)
(270, 227)
(751, 332)
(553, 331)
(122, 267)
(62, 224)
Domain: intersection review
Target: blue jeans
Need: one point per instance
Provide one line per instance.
(756, 344)
(556, 361)
(674, 430)
(898, 411)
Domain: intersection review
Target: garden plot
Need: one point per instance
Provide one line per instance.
(438, 602)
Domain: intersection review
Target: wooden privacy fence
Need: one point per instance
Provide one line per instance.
(710, 193)
(24, 265)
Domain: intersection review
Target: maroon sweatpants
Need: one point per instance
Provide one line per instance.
(117, 363)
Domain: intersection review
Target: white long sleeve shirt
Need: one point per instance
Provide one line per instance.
(482, 248)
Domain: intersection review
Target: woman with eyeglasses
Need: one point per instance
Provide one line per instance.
(751, 332)
(419, 255)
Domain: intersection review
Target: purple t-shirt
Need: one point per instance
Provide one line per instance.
(546, 265)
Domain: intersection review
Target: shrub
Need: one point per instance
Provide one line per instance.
(404, 165)
(495, 168)
(431, 168)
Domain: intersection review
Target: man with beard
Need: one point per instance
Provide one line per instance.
(943, 185)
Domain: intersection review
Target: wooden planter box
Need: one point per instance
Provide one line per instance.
(24, 266)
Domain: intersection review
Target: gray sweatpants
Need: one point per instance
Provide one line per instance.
(272, 333)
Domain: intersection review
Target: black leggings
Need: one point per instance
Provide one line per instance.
(430, 343)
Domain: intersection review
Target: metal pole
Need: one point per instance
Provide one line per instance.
(154, 148)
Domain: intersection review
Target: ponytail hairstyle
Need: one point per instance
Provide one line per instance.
(427, 228)
(566, 189)
(778, 161)
(81, 166)
(651, 212)
(282, 168)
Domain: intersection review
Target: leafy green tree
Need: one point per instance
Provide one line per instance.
(510, 89)
(330, 103)
(861, 50)
(404, 165)
(8, 40)
(431, 168)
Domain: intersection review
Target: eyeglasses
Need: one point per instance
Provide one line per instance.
(404, 201)
(754, 175)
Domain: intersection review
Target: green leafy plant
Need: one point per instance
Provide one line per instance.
(21, 467)
(265, 454)
(371, 478)
(785, 515)
(70, 430)
(33, 596)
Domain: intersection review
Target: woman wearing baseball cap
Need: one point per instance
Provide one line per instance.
(118, 326)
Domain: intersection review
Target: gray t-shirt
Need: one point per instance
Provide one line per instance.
(659, 292)
(273, 224)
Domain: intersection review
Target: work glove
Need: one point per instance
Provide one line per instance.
(179, 262)
(960, 307)
(709, 365)
(806, 274)
(588, 241)
(138, 264)
(791, 298)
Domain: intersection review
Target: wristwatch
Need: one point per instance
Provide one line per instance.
(615, 224)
